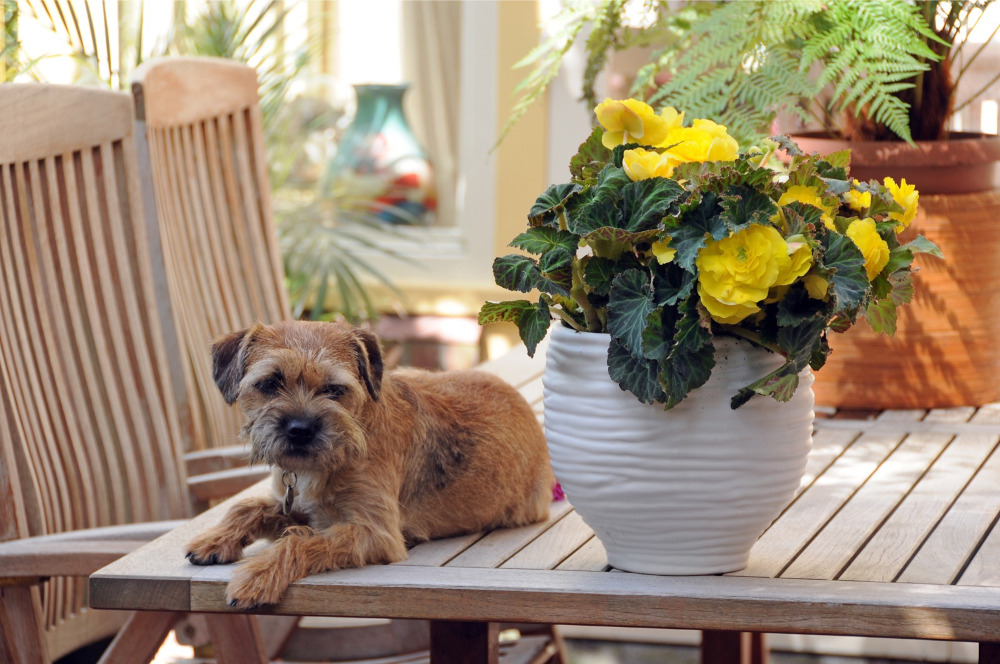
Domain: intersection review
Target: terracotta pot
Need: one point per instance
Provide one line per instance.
(945, 352)
(681, 491)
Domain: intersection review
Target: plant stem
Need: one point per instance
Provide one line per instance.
(579, 294)
(749, 335)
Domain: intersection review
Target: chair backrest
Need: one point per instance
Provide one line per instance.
(89, 432)
(200, 120)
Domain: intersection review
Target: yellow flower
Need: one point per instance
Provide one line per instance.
(906, 195)
(799, 193)
(703, 141)
(640, 164)
(735, 273)
(816, 286)
(629, 121)
(663, 251)
(672, 117)
(858, 200)
(871, 244)
(801, 259)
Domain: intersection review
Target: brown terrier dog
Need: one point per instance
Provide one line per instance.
(365, 463)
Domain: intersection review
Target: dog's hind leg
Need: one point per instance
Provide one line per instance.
(245, 522)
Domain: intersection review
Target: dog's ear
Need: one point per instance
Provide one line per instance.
(369, 357)
(229, 362)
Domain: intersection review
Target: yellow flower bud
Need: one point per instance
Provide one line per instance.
(858, 200)
(871, 244)
(907, 196)
(816, 286)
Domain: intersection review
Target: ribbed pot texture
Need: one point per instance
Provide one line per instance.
(681, 491)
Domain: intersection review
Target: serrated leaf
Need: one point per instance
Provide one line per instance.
(598, 274)
(610, 183)
(521, 273)
(534, 325)
(590, 158)
(849, 279)
(881, 317)
(671, 284)
(509, 311)
(631, 301)
(634, 374)
(742, 206)
(541, 239)
(552, 201)
(645, 203)
(921, 245)
(657, 337)
(689, 237)
(620, 236)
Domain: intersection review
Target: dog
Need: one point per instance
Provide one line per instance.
(366, 462)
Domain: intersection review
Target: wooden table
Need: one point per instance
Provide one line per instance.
(892, 534)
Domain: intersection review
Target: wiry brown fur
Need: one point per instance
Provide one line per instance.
(392, 458)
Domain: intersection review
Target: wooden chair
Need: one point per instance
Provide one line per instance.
(199, 122)
(90, 430)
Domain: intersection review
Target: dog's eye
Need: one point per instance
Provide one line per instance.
(269, 385)
(334, 391)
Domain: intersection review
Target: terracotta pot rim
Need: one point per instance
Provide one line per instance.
(963, 148)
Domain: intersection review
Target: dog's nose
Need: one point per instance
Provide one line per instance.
(301, 430)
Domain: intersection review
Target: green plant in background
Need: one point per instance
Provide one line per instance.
(319, 235)
(668, 235)
(862, 69)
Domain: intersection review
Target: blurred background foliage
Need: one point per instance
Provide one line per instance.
(319, 233)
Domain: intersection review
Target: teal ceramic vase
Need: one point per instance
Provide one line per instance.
(380, 161)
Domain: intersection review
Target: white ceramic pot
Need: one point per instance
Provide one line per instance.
(682, 491)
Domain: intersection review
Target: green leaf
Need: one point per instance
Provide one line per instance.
(521, 273)
(704, 218)
(509, 311)
(610, 183)
(657, 338)
(671, 284)
(691, 358)
(598, 274)
(881, 317)
(534, 325)
(541, 239)
(551, 203)
(849, 279)
(620, 236)
(631, 302)
(637, 375)
(744, 205)
(646, 202)
(590, 158)
(921, 245)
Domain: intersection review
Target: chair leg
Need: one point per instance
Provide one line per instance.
(728, 647)
(140, 637)
(21, 638)
(454, 642)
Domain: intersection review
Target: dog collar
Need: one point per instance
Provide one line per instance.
(288, 480)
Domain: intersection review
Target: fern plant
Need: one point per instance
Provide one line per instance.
(865, 70)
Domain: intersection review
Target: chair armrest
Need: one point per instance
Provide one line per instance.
(77, 552)
(224, 483)
(216, 458)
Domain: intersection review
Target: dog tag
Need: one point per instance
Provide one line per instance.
(286, 506)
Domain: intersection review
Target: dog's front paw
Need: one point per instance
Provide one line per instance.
(211, 549)
(254, 585)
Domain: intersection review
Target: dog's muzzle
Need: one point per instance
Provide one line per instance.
(300, 432)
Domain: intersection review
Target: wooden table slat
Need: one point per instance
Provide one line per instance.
(591, 557)
(885, 555)
(495, 548)
(833, 547)
(808, 515)
(963, 527)
(553, 546)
